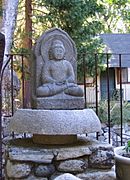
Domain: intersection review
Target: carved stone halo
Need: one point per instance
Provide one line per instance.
(44, 43)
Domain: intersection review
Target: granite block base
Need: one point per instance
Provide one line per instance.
(60, 101)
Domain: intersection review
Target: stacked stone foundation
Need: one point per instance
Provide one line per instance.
(88, 159)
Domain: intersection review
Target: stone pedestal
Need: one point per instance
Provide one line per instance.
(59, 102)
(54, 139)
(55, 123)
(87, 159)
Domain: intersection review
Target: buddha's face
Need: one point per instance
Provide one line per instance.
(58, 53)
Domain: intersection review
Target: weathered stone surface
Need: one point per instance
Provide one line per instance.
(101, 145)
(72, 153)
(44, 170)
(67, 176)
(33, 178)
(43, 44)
(62, 80)
(21, 154)
(55, 175)
(60, 103)
(17, 170)
(72, 166)
(75, 160)
(97, 175)
(62, 77)
(102, 157)
(55, 122)
(7, 82)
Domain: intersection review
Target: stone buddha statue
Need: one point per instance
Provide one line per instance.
(54, 72)
(57, 74)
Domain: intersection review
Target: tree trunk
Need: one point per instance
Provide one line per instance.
(27, 44)
(28, 24)
(9, 18)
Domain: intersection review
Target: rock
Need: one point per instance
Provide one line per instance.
(73, 153)
(34, 178)
(44, 170)
(7, 82)
(20, 170)
(25, 154)
(67, 176)
(72, 166)
(102, 158)
(76, 160)
(97, 175)
(55, 175)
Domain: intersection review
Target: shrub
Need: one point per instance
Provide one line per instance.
(115, 112)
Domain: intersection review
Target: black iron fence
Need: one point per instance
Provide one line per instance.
(101, 88)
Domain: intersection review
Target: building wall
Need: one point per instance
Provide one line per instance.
(125, 87)
(91, 90)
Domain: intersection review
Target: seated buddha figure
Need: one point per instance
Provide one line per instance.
(57, 74)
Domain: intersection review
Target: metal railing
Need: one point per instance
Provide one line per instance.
(7, 98)
(18, 98)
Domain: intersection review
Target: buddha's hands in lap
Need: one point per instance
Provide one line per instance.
(60, 83)
(66, 84)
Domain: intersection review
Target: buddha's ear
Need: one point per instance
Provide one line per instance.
(50, 55)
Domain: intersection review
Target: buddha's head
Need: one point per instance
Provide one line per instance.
(57, 50)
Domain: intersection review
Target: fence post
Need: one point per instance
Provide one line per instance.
(84, 70)
(121, 106)
(96, 75)
(108, 100)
